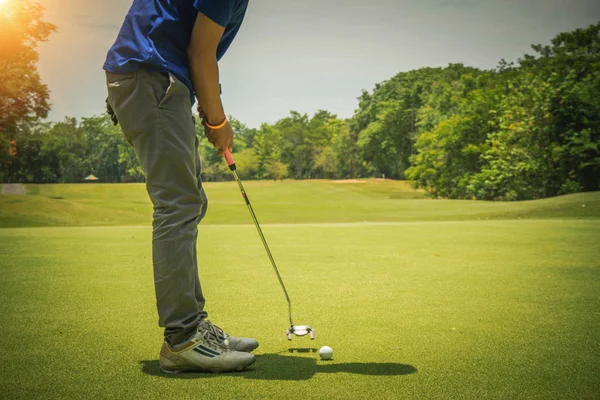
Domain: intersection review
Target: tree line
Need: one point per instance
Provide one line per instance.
(520, 131)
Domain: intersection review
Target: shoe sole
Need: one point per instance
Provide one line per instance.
(213, 370)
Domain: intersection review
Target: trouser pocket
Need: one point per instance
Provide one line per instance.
(137, 97)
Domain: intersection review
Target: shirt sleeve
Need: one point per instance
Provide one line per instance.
(220, 11)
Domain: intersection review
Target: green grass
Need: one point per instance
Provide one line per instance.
(441, 306)
(275, 202)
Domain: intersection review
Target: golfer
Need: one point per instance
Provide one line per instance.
(165, 56)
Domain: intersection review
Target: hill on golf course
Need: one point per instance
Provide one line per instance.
(315, 201)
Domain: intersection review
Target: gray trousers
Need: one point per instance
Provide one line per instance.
(155, 114)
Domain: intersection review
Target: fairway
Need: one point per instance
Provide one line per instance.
(419, 298)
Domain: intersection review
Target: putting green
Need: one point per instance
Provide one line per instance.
(425, 309)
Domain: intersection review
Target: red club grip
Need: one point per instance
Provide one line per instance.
(229, 160)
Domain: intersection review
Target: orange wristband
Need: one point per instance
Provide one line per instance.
(214, 127)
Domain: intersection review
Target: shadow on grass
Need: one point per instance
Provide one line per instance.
(279, 367)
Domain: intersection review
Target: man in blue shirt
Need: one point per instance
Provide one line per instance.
(166, 55)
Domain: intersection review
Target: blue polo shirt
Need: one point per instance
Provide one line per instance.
(156, 34)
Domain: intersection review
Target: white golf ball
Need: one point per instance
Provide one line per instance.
(326, 353)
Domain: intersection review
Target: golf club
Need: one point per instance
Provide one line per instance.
(298, 330)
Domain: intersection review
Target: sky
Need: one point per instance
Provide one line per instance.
(312, 54)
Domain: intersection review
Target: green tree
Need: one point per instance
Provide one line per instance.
(449, 155)
(248, 162)
(267, 148)
(243, 136)
(389, 121)
(549, 135)
(296, 146)
(326, 163)
(23, 97)
(32, 161)
(572, 63)
(68, 142)
(276, 170)
(344, 144)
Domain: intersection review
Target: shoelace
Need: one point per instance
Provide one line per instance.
(222, 333)
(212, 334)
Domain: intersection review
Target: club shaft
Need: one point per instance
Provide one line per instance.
(262, 237)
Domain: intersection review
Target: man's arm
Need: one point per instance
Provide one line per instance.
(202, 55)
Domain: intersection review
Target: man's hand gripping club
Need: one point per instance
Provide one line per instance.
(220, 136)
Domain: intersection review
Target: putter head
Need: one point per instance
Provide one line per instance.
(300, 330)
